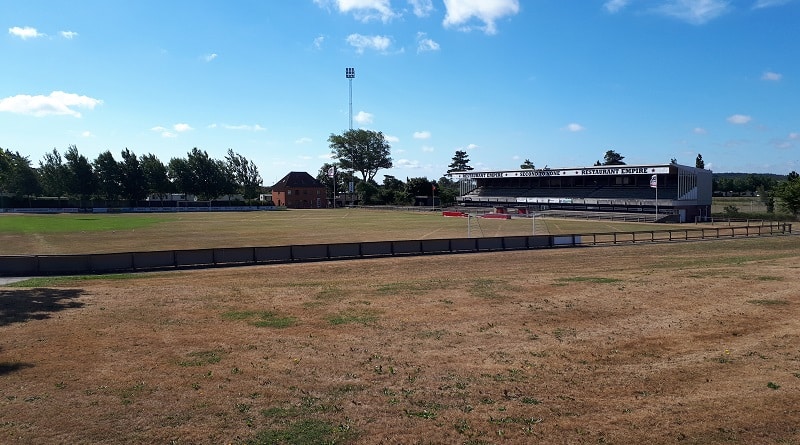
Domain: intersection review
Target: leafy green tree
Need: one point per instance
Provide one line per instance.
(362, 151)
(789, 194)
(527, 165)
(16, 175)
(134, 182)
(210, 178)
(613, 158)
(368, 191)
(393, 191)
(53, 174)
(245, 173)
(80, 180)
(108, 176)
(460, 162)
(767, 198)
(419, 187)
(699, 162)
(182, 177)
(155, 175)
(447, 190)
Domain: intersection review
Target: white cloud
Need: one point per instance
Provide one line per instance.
(164, 132)
(391, 139)
(696, 12)
(180, 128)
(318, 41)
(613, 6)
(363, 118)
(739, 119)
(303, 140)
(363, 10)
(471, 147)
(794, 135)
(210, 57)
(427, 149)
(69, 35)
(699, 130)
(56, 103)
(362, 42)
(421, 8)
(25, 33)
(406, 163)
(573, 127)
(87, 134)
(461, 12)
(769, 3)
(422, 135)
(772, 77)
(425, 44)
(244, 127)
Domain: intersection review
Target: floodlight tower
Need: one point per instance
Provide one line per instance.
(350, 73)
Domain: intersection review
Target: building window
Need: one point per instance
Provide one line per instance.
(289, 192)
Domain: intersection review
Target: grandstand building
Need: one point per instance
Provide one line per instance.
(670, 192)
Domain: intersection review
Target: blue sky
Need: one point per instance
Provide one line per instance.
(555, 81)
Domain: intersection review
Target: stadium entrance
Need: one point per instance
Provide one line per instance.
(672, 192)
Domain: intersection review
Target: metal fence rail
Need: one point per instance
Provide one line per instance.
(37, 265)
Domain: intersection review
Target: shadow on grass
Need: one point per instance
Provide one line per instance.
(9, 367)
(22, 305)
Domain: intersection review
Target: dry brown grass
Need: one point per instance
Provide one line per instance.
(245, 229)
(670, 343)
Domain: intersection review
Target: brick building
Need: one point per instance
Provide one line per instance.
(299, 190)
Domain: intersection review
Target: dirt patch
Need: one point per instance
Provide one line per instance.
(690, 343)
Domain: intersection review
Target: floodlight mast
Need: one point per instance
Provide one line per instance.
(350, 73)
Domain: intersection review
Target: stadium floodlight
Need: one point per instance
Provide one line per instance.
(350, 73)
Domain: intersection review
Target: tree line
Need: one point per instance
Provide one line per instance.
(130, 178)
(358, 156)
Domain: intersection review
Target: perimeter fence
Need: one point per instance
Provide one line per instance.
(78, 264)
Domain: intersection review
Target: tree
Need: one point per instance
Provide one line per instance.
(419, 187)
(699, 163)
(613, 158)
(447, 190)
(789, 194)
(393, 191)
(368, 192)
(53, 174)
(362, 151)
(527, 165)
(80, 179)
(245, 173)
(324, 176)
(210, 176)
(460, 162)
(182, 176)
(134, 182)
(155, 175)
(107, 174)
(16, 174)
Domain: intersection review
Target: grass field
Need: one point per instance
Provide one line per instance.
(70, 233)
(694, 342)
